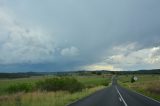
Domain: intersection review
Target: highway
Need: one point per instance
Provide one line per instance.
(115, 95)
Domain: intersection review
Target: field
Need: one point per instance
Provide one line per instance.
(148, 85)
(48, 98)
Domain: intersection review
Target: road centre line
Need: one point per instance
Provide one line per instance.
(121, 96)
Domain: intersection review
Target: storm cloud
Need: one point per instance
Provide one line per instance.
(65, 35)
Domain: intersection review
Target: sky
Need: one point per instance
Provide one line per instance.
(71, 35)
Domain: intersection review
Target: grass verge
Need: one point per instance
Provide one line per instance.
(148, 85)
(38, 98)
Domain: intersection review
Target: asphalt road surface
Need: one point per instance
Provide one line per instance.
(115, 95)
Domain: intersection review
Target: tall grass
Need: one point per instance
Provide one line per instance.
(52, 91)
(38, 98)
(6, 83)
(154, 87)
(23, 87)
(148, 85)
(87, 81)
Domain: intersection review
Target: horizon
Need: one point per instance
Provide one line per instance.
(50, 35)
(78, 71)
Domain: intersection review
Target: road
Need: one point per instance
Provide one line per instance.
(115, 95)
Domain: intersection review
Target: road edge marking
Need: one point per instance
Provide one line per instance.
(145, 96)
(121, 96)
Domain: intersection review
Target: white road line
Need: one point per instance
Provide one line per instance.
(145, 96)
(121, 97)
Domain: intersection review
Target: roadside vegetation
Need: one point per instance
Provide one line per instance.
(43, 98)
(49, 90)
(148, 85)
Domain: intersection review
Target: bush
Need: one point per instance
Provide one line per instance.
(132, 79)
(23, 87)
(105, 83)
(60, 83)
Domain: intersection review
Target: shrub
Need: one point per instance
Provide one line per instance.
(23, 87)
(105, 83)
(60, 83)
(132, 79)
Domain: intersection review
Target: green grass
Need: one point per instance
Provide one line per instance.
(60, 98)
(5, 83)
(92, 81)
(88, 81)
(148, 85)
(48, 98)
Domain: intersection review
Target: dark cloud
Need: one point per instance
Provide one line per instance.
(83, 31)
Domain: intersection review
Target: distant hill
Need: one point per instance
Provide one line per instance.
(83, 72)
(152, 71)
(19, 75)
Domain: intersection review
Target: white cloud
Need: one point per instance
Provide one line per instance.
(126, 57)
(102, 66)
(72, 51)
(125, 47)
(134, 57)
(21, 44)
(154, 56)
(146, 55)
